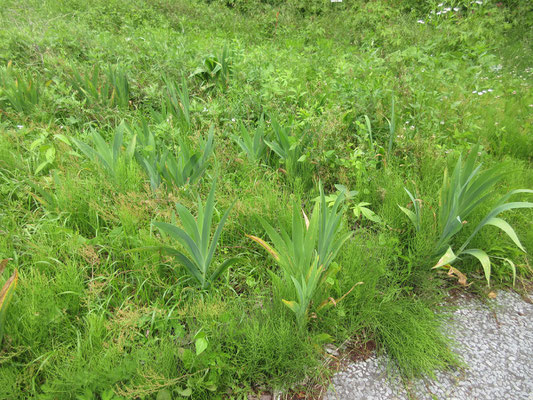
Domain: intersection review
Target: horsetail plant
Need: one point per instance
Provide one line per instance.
(306, 255)
(6, 294)
(195, 237)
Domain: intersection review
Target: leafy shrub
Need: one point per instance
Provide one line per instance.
(214, 71)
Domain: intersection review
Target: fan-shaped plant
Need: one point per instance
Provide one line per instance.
(461, 194)
(195, 237)
(306, 255)
(108, 155)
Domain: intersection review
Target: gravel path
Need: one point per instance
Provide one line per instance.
(495, 341)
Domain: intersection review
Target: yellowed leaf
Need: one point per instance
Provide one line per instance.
(265, 245)
(9, 287)
(3, 264)
(447, 258)
(461, 278)
(306, 219)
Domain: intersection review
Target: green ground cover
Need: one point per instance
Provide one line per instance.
(199, 196)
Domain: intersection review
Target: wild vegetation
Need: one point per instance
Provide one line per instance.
(200, 197)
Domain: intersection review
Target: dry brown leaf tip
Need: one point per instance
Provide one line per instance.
(461, 278)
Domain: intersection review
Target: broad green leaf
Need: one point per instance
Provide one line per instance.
(216, 236)
(130, 150)
(497, 210)
(185, 392)
(221, 268)
(188, 222)
(410, 214)
(207, 213)
(291, 304)
(446, 259)
(200, 345)
(164, 394)
(187, 263)
(371, 215)
(504, 226)
(181, 236)
(483, 259)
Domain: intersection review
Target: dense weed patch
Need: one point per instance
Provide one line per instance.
(322, 124)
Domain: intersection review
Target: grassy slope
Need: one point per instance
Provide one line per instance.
(88, 317)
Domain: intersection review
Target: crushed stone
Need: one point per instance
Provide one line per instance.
(494, 340)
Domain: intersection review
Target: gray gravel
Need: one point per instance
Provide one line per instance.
(495, 341)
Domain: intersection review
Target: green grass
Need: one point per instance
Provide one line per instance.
(291, 94)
